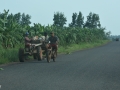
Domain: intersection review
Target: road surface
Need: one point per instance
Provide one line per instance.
(93, 69)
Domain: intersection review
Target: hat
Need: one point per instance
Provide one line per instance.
(26, 33)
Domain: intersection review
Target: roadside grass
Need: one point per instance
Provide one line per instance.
(75, 47)
(11, 55)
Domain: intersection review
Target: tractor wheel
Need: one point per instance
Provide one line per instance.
(38, 53)
(48, 55)
(35, 56)
(21, 55)
(54, 55)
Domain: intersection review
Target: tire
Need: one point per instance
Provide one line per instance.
(54, 55)
(35, 56)
(38, 53)
(21, 55)
(48, 55)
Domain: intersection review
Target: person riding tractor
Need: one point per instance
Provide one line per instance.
(28, 43)
(53, 41)
(27, 39)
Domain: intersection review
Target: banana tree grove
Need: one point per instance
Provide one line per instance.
(13, 27)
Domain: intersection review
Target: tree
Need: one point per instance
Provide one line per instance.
(74, 20)
(80, 20)
(25, 21)
(92, 21)
(17, 17)
(89, 20)
(59, 19)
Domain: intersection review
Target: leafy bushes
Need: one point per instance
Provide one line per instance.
(13, 28)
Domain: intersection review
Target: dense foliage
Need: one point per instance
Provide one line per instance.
(13, 27)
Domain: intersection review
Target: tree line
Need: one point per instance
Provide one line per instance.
(14, 26)
(93, 20)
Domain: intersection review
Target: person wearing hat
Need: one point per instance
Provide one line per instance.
(53, 41)
(27, 39)
(28, 43)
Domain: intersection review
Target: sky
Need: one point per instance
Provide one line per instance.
(42, 11)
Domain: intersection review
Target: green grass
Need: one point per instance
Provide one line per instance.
(11, 55)
(74, 47)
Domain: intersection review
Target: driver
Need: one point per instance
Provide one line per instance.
(28, 43)
(53, 41)
(27, 39)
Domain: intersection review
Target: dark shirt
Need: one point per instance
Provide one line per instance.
(53, 39)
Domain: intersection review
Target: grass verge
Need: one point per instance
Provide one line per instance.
(9, 55)
(81, 46)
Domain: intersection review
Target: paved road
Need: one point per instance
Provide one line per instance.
(92, 69)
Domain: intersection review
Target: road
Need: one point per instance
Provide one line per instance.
(92, 69)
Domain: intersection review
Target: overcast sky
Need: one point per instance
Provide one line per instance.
(42, 11)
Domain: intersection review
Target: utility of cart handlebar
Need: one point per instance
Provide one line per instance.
(36, 44)
(32, 44)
